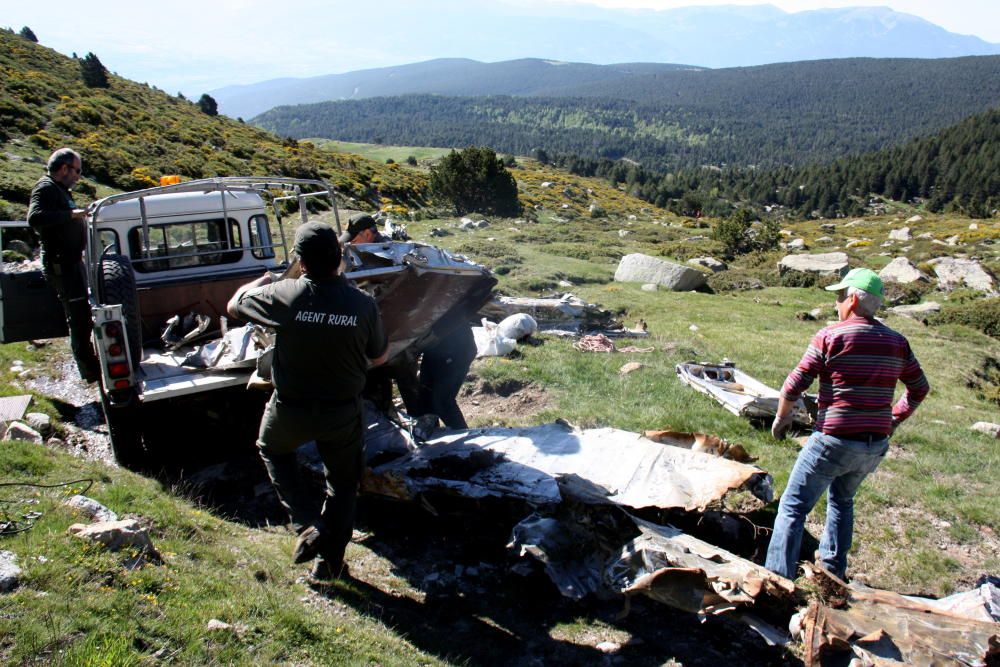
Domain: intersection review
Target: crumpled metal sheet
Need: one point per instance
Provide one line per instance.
(982, 603)
(682, 571)
(884, 628)
(547, 310)
(237, 348)
(738, 392)
(702, 442)
(568, 549)
(525, 463)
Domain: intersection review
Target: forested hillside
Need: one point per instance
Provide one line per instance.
(442, 76)
(957, 169)
(130, 134)
(791, 114)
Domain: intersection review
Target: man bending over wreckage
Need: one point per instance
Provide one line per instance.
(327, 333)
(858, 361)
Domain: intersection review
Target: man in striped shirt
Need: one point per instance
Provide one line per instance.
(858, 361)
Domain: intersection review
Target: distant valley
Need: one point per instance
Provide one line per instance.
(665, 117)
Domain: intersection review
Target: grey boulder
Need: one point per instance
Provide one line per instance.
(824, 264)
(639, 268)
(953, 272)
(901, 270)
(10, 573)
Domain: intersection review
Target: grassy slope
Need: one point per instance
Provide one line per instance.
(924, 521)
(379, 152)
(131, 134)
(81, 605)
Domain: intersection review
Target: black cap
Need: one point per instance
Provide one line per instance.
(359, 223)
(316, 243)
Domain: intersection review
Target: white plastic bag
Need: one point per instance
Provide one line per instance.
(518, 326)
(490, 342)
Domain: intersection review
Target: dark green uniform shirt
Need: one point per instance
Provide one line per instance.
(326, 333)
(49, 214)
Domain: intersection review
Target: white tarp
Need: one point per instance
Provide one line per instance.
(527, 462)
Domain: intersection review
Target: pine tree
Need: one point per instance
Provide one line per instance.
(475, 179)
(28, 34)
(94, 74)
(208, 105)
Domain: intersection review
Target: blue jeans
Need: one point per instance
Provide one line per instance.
(825, 461)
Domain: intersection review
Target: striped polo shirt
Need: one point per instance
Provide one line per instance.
(858, 362)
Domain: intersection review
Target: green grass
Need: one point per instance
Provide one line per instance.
(80, 604)
(939, 470)
(380, 152)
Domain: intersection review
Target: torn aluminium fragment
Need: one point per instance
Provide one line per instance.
(884, 628)
(526, 464)
(684, 572)
(737, 392)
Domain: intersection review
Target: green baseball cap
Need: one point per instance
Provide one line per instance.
(864, 279)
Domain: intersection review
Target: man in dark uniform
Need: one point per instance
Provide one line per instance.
(442, 369)
(442, 372)
(62, 229)
(362, 228)
(328, 332)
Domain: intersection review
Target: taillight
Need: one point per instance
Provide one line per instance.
(122, 384)
(115, 350)
(113, 329)
(118, 369)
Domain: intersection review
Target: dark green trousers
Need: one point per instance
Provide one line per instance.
(69, 279)
(336, 428)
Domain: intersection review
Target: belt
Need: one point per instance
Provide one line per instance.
(867, 436)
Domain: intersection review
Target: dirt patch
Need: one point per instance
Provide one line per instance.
(82, 426)
(507, 403)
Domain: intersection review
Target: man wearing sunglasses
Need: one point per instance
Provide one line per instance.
(62, 230)
(858, 361)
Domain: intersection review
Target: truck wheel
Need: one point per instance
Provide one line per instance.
(125, 429)
(118, 286)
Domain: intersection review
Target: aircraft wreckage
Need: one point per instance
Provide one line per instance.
(612, 514)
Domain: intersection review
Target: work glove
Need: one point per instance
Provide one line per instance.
(780, 426)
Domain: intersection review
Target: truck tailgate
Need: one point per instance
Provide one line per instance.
(162, 376)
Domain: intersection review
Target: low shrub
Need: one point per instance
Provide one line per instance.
(738, 280)
(682, 251)
(985, 380)
(898, 294)
(806, 279)
(498, 251)
(982, 315)
(973, 236)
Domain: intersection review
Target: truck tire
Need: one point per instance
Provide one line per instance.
(118, 287)
(125, 429)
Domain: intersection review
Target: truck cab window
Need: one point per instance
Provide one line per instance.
(108, 238)
(261, 242)
(184, 244)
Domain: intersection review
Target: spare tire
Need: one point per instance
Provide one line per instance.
(117, 286)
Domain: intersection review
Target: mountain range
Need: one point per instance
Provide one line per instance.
(699, 37)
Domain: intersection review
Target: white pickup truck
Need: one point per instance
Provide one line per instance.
(185, 248)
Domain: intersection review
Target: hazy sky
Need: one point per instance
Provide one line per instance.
(193, 46)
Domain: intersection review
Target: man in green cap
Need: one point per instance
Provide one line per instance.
(858, 361)
(328, 333)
